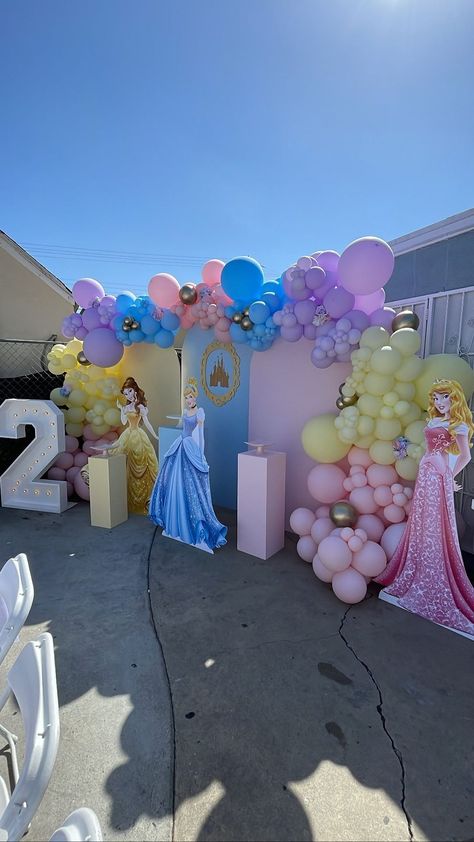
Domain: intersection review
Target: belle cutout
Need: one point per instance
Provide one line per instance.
(181, 499)
(426, 575)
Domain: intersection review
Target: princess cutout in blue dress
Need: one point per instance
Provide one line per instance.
(181, 498)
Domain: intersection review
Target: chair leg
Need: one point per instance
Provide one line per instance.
(12, 740)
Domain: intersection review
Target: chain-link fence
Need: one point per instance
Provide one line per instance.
(24, 374)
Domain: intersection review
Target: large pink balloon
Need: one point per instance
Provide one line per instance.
(394, 514)
(71, 444)
(325, 483)
(163, 290)
(372, 525)
(334, 553)
(321, 571)
(306, 548)
(81, 459)
(57, 473)
(392, 537)
(365, 265)
(86, 290)
(363, 500)
(321, 528)
(349, 586)
(301, 521)
(71, 473)
(383, 496)
(370, 560)
(381, 475)
(64, 461)
(369, 303)
(80, 487)
(211, 272)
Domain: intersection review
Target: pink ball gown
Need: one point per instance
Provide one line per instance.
(426, 574)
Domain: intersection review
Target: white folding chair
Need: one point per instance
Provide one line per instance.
(32, 680)
(81, 826)
(16, 597)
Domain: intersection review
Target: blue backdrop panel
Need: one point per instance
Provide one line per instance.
(223, 375)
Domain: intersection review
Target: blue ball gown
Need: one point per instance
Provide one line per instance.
(181, 498)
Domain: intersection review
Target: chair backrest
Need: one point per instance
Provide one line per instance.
(32, 679)
(16, 592)
(81, 826)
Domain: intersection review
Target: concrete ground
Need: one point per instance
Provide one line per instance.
(290, 716)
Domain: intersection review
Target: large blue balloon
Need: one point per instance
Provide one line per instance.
(242, 278)
(170, 321)
(259, 312)
(273, 300)
(149, 325)
(124, 301)
(164, 339)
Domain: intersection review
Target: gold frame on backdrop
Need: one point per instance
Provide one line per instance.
(220, 400)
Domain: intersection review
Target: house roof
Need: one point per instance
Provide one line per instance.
(460, 223)
(12, 248)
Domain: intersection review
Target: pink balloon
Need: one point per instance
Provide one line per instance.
(71, 444)
(306, 548)
(88, 447)
(89, 434)
(359, 480)
(57, 473)
(363, 500)
(370, 560)
(334, 553)
(112, 436)
(365, 265)
(71, 473)
(369, 303)
(220, 296)
(163, 290)
(322, 511)
(349, 586)
(321, 529)
(81, 459)
(391, 538)
(64, 461)
(381, 475)
(358, 456)
(383, 496)
(394, 514)
(321, 571)
(325, 483)
(211, 272)
(372, 525)
(383, 317)
(301, 521)
(355, 544)
(338, 302)
(81, 488)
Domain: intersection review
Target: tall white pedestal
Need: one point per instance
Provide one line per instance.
(108, 490)
(261, 503)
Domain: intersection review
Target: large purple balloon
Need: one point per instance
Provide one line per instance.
(358, 319)
(310, 331)
(102, 348)
(304, 312)
(365, 265)
(86, 290)
(369, 303)
(315, 277)
(338, 301)
(292, 334)
(91, 318)
(383, 318)
(329, 261)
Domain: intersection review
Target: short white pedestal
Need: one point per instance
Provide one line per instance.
(261, 503)
(108, 490)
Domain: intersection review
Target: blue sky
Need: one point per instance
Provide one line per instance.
(193, 129)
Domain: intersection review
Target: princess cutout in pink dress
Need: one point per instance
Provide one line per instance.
(426, 575)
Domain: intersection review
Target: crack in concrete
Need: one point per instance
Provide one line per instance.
(383, 720)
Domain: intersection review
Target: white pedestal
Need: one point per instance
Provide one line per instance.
(261, 503)
(108, 490)
(167, 435)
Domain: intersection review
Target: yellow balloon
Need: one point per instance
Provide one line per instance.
(58, 349)
(406, 468)
(382, 452)
(112, 417)
(55, 368)
(387, 412)
(321, 441)
(74, 429)
(90, 415)
(414, 432)
(443, 367)
(77, 398)
(387, 429)
(68, 362)
(73, 347)
(401, 408)
(369, 405)
(57, 398)
(100, 429)
(91, 389)
(374, 337)
(378, 384)
(391, 398)
(366, 425)
(76, 414)
(410, 369)
(406, 391)
(406, 340)
(100, 407)
(385, 360)
(413, 414)
(364, 442)
(95, 373)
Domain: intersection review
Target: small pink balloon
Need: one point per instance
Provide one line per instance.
(397, 488)
(363, 500)
(347, 533)
(359, 480)
(381, 475)
(89, 434)
(370, 560)
(383, 495)
(321, 529)
(301, 521)
(394, 514)
(321, 571)
(64, 461)
(349, 586)
(408, 507)
(71, 473)
(163, 290)
(348, 484)
(326, 483)
(362, 534)
(88, 448)
(222, 335)
(391, 538)
(80, 487)
(322, 511)
(112, 436)
(358, 456)
(369, 303)
(211, 272)
(334, 553)
(71, 444)
(57, 473)
(356, 469)
(355, 544)
(81, 459)
(372, 526)
(306, 548)
(400, 499)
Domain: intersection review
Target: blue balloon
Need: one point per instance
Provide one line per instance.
(229, 311)
(150, 339)
(149, 325)
(259, 330)
(142, 302)
(170, 321)
(242, 277)
(124, 301)
(272, 300)
(136, 335)
(121, 335)
(164, 339)
(127, 341)
(134, 313)
(237, 334)
(272, 286)
(259, 312)
(117, 323)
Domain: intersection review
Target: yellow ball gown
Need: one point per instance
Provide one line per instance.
(142, 464)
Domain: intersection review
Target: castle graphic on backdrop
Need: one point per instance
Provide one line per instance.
(219, 375)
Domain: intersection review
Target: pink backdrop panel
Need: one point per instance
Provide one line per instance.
(286, 390)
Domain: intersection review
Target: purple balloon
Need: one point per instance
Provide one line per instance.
(81, 333)
(369, 303)
(102, 348)
(304, 312)
(315, 277)
(91, 318)
(324, 329)
(329, 261)
(86, 290)
(365, 265)
(292, 334)
(383, 318)
(278, 317)
(323, 363)
(304, 263)
(67, 329)
(338, 301)
(310, 331)
(358, 319)
(76, 320)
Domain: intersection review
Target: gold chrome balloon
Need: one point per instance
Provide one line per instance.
(237, 318)
(126, 328)
(246, 311)
(343, 514)
(128, 320)
(82, 359)
(406, 318)
(340, 403)
(349, 400)
(188, 294)
(341, 387)
(246, 323)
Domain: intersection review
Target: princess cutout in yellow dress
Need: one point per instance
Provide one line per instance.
(142, 464)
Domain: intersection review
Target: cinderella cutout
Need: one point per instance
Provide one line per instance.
(181, 499)
(426, 574)
(142, 464)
